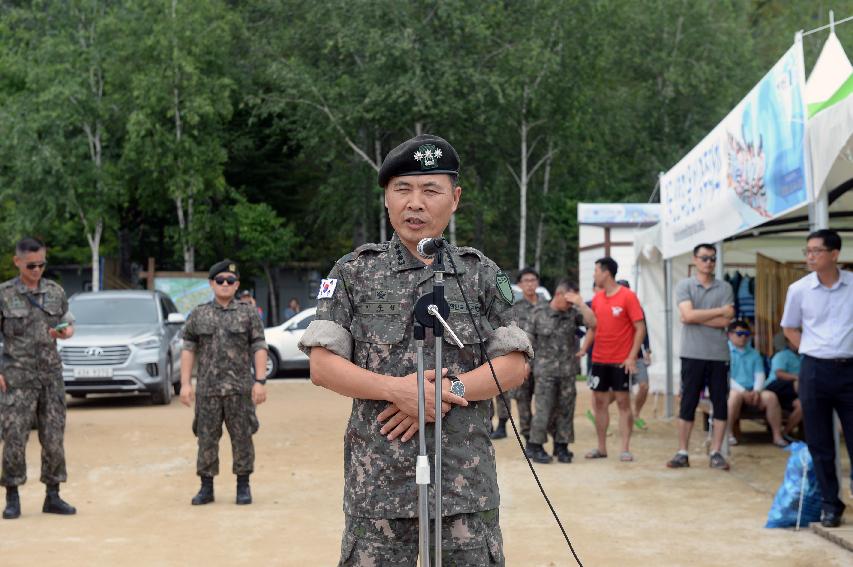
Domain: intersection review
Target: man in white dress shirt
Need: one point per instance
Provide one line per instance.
(818, 320)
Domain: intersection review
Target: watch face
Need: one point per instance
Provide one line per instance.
(457, 388)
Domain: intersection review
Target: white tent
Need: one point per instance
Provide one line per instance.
(830, 126)
(782, 241)
(829, 134)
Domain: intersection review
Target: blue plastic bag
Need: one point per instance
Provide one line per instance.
(786, 503)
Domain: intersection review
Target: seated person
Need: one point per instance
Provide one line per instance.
(780, 393)
(746, 370)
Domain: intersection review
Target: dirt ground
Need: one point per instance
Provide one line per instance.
(131, 471)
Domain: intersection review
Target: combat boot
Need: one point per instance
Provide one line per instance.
(205, 493)
(561, 451)
(13, 503)
(500, 430)
(244, 493)
(538, 454)
(53, 504)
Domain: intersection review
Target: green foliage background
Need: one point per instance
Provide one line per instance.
(288, 106)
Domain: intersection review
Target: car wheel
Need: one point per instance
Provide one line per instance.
(272, 364)
(163, 396)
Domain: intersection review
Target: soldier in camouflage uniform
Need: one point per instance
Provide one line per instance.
(552, 329)
(528, 281)
(361, 345)
(33, 315)
(227, 337)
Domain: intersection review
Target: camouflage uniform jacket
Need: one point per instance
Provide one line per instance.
(30, 357)
(553, 336)
(225, 340)
(368, 320)
(522, 312)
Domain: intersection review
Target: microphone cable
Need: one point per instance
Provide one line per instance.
(485, 355)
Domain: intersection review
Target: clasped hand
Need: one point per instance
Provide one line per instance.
(400, 417)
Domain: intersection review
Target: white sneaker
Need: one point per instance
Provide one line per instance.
(732, 440)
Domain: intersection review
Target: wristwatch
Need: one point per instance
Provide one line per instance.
(457, 386)
(261, 382)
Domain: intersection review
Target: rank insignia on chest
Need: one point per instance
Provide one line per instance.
(327, 288)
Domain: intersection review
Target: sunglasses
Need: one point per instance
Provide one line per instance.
(711, 259)
(230, 280)
(742, 333)
(36, 265)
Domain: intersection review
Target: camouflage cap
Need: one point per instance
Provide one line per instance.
(422, 155)
(223, 266)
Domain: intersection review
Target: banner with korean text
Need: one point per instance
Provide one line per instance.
(750, 169)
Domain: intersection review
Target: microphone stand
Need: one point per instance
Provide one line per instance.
(431, 310)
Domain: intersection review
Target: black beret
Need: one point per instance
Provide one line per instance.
(223, 266)
(422, 155)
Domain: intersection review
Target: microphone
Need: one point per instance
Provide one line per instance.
(429, 246)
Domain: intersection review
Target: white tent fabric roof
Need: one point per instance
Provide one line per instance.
(830, 132)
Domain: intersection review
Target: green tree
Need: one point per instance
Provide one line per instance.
(262, 240)
(182, 92)
(63, 118)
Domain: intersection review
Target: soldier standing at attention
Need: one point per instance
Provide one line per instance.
(33, 315)
(227, 337)
(553, 330)
(361, 346)
(528, 281)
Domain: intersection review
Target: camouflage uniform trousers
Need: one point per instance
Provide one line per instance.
(20, 408)
(468, 540)
(238, 413)
(555, 409)
(523, 396)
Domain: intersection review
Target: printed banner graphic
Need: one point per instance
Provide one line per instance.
(748, 170)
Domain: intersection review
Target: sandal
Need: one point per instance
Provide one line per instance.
(626, 457)
(596, 454)
(782, 443)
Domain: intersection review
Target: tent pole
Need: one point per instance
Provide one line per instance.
(667, 284)
(720, 270)
(819, 213)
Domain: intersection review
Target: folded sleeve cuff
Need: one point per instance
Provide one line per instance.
(259, 345)
(189, 346)
(509, 339)
(330, 336)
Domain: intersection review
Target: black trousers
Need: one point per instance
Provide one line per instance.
(827, 385)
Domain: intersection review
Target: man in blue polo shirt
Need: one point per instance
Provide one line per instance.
(746, 373)
(780, 393)
(818, 320)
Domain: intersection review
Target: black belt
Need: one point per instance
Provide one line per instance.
(838, 361)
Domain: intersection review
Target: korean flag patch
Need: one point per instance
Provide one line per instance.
(327, 288)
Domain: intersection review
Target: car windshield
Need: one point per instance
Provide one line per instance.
(114, 311)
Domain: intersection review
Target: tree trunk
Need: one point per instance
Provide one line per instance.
(184, 219)
(452, 229)
(95, 248)
(383, 227)
(522, 191)
(185, 223)
(540, 230)
(272, 316)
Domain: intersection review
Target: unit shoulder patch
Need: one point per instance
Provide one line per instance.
(504, 287)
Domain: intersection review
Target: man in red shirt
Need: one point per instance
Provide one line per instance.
(618, 337)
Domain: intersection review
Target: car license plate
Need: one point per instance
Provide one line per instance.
(93, 372)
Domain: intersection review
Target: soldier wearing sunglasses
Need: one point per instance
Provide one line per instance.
(227, 338)
(33, 315)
